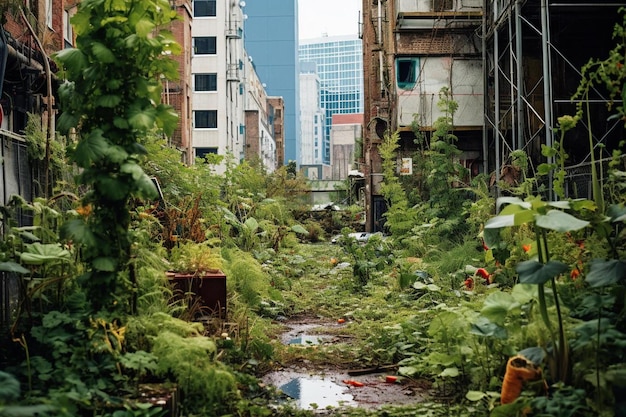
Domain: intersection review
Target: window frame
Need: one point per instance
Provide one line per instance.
(210, 82)
(211, 119)
(209, 6)
(210, 50)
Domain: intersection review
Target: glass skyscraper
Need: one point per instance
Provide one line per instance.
(271, 40)
(339, 62)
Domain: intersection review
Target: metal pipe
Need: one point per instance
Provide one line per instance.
(513, 101)
(547, 81)
(496, 87)
(380, 46)
(485, 90)
(520, 75)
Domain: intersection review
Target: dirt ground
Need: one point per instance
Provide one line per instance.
(315, 388)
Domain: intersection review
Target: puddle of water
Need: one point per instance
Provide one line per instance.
(310, 393)
(305, 340)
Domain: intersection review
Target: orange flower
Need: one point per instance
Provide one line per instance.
(575, 273)
(84, 210)
(526, 248)
(469, 284)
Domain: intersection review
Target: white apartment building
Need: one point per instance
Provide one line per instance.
(230, 113)
(218, 79)
(312, 119)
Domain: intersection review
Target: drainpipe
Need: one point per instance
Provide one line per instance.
(49, 99)
(380, 45)
(547, 81)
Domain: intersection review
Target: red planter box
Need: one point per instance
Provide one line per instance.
(208, 289)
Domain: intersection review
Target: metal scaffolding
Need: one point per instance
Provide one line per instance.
(533, 52)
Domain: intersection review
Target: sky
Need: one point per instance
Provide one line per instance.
(331, 17)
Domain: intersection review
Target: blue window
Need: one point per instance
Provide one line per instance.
(406, 72)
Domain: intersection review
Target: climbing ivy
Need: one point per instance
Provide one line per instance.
(111, 99)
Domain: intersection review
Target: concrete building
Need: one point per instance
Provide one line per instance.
(218, 79)
(339, 62)
(312, 123)
(278, 123)
(345, 139)
(259, 127)
(271, 39)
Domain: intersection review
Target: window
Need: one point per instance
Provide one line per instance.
(204, 8)
(442, 5)
(68, 32)
(205, 82)
(49, 13)
(406, 72)
(205, 45)
(205, 119)
(203, 152)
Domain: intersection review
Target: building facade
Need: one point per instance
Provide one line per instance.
(345, 139)
(218, 79)
(411, 50)
(339, 62)
(259, 126)
(271, 40)
(312, 118)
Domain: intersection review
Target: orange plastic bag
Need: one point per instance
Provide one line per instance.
(518, 370)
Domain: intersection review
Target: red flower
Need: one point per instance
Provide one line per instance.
(469, 284)
(482, 272)
(526, 248)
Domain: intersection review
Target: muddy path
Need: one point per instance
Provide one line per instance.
(313, 381)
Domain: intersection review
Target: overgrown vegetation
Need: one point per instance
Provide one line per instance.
(448, 297)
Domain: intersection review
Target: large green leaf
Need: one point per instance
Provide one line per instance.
(13, 267)
(497, 305)
(39, 254)
(113, 188)
(617, 213)
(486, 328)
(142, 119)
(560, 221)
(9, 388)
(524, 293)
(251, 224)
(605, 272)
(90, 149)
(512, 200)
(72, 59)
(77, 230)
(104, 264)
(534, 272)
(297, 228)
(116, 154)
(102, 53)
(133, 169)
(491, 237)
(499, 222)
(108, 100)
(144, 27)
